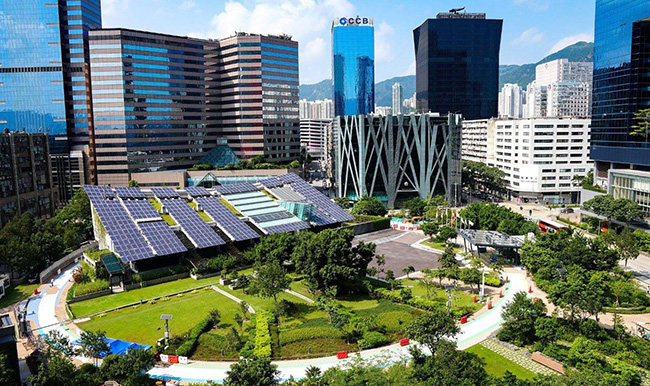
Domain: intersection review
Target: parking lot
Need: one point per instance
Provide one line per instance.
(396, 246)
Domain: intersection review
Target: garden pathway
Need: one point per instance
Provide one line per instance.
(303, 297)
(233, 297)
(517, 357)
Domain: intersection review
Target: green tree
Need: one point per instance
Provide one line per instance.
(56, 370)
(446, 233)
(519, 317)
(621, 209)
(343, 202)
(478, 175)
(429, 228)
(430, 328)
(626, 244)
(278, 246)
(641, 127)
(547, 330)
(133, 184)
(408, 270)
(471, 276)
(449, 367)
(7, 375)
(416, 206)
(253, 372)
(94, 344)
(448, 258)
(270, 280)
(390, 276)
(369, 206)
(127, 368)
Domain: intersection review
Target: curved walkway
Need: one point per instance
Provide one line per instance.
(45, 314)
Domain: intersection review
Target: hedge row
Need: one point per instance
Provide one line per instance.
(262, 335)
(308, 333)
(90, 287)
(372, 339)
(188, 347)
(139, 278)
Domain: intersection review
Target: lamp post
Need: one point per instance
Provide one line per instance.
(482, 283)
(166, 318)
(448, 289)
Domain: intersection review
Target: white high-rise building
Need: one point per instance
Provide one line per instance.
(397, 98)
(383, 110)
(539, 156)
(511, 101)
(320, 109)
(561, 89)
(313, 134)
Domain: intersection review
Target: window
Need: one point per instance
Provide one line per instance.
(565, 170)
(548, 185)
(548, 170)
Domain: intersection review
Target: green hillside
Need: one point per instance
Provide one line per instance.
(508, 73)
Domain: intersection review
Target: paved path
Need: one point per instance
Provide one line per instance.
(303, 297)
(517, 357)
(232, 297)
(42, 313)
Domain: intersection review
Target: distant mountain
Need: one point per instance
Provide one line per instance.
(525, 73)
(508, 73)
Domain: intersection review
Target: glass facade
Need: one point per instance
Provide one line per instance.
(353, 66)
(457, 65)
(621, 83)
(633, 185)
(44, 66)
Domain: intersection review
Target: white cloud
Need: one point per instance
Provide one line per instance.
(410, 70)
(528, 37)
(114, 7)
(567, 41)
(383, 49)
(308, 21)
(187, 4)
(536, 5)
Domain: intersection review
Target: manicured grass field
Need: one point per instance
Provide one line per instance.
(91, 306)
(441, 245)
(140, 323)
(497, 365)
(16, 293)
(459, 298)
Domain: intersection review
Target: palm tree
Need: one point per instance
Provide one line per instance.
(408, 270)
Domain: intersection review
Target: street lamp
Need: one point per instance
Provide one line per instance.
(448, 289)
(166, 318)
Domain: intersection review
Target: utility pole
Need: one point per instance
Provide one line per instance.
(166, 318)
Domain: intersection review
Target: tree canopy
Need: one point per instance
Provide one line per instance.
(621, 209)
(493, 217)
(369, 206)
(480, 176)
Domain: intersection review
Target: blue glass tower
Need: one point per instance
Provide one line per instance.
(353, 66)
(621, 84)
(457, 64)
(44, 67)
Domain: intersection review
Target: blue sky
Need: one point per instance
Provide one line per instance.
(531, 28)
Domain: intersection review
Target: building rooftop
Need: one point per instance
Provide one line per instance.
(458, 15)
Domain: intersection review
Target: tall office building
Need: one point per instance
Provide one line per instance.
(169, 102)
(511, 101)
(313, 133)
(397, 98)
(353, 66)
(25, 176)
(258, 101)
(44, 72)
(621, 84)
(457, 64)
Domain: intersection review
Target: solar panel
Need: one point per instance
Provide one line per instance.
(236, 188)
(129, 192)
(162, 238)
(129, 243)
(232, 225)
(98, 192)
(271, 217)
(197, 191)
(319, 217)
(272, 182)
(290, 227)
(289, 178)
(141, 209)
(320, 200)
(165, 193)
(200, 233)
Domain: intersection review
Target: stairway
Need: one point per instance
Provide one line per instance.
(192, 255)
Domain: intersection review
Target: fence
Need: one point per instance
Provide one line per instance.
(65, 261)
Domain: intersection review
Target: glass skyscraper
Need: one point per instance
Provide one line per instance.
(44, 67)
(621, 84)
(353, 66)
(457, 65)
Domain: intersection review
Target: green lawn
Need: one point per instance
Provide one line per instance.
(16, 293)
(203, 215)
(157, 205)
(497, 365)
(91, 306)
(459, 298)
(442, 245)
(140, 323)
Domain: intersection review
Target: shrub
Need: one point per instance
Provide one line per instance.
(372, 339)
(309, 333)
(204, 325)
(220, 262)
(90, 287)
(175, 270)
(492, 281)
(262, 335)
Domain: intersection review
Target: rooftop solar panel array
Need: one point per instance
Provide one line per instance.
(236, 188)
(289, 178)
(129, 192)
(200, 233)
(165, 193)
(232, 225)
(197, 191)
(129, 243)
(162, 238)
(320, 200)
(141, 209)
(272, 182)
(290, 227)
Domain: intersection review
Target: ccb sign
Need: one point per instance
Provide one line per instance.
(354, 21)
